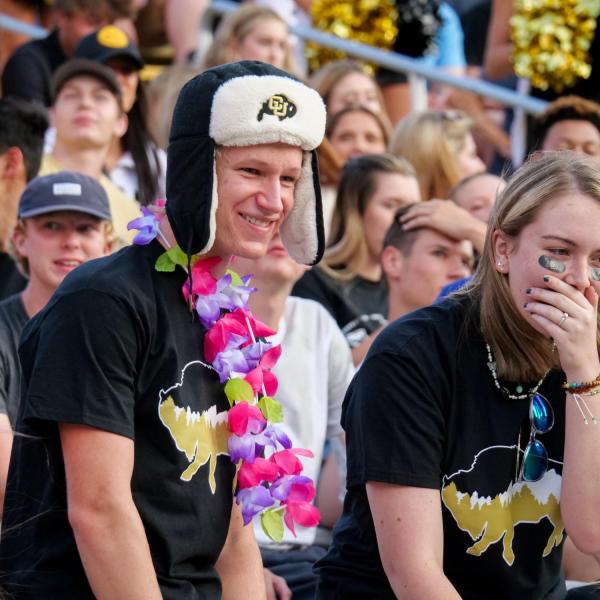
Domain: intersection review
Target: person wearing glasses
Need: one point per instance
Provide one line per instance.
(472, 437)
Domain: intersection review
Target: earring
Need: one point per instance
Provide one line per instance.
(500, 265)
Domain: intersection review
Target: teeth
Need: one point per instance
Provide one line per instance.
(256, 221)
(68, 263)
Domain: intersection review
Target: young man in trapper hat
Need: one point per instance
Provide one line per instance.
(122, 487)
(64, 220)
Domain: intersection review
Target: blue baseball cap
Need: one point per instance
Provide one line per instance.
(65, 190)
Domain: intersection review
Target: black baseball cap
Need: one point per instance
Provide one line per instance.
(75, 67)
(106, 43)
(65, 190)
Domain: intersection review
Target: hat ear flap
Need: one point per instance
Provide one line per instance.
(302, 233)
(192, 193)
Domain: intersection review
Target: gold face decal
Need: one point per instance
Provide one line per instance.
(278, 105)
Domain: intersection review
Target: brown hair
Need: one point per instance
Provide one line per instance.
(430, 140)
(523, 354)
(333, 121)
(99, 10)
(348, 247)
(234, 28)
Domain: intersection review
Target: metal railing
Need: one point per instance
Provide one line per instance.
(415, 69)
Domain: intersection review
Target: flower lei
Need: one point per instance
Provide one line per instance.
(235, 346)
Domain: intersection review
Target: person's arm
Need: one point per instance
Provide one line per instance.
(409, 529)
(575, 339)
(497, 61)
(6, 439)
(108, 530)
(240, 565)
(182, 22)
(447, 218)
(579, 566)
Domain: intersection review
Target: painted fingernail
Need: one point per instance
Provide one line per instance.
(546, 278)
(528, 291)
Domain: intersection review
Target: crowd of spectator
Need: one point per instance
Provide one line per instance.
(406, 196)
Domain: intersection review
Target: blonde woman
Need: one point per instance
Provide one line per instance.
(440, 147)
(348, 281)
(252, 32)
(470, 425)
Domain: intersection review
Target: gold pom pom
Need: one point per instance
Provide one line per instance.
(551, 41)
(371, 22)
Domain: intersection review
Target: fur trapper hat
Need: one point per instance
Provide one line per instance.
(243, 104)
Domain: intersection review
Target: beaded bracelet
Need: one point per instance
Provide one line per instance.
(581, 386)
(591, 392)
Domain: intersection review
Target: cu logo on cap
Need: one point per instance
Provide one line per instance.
(279, 106)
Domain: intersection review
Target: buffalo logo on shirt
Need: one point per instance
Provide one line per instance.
(278, 105)
(201, 435)
(493, 519)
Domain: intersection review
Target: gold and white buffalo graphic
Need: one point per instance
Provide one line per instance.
(490, 519)
(201, 435)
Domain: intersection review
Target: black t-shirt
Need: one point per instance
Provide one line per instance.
(11, 281)
(359, 306)
(28, 72)
(12, 320)
(423, 411)
(115, 349)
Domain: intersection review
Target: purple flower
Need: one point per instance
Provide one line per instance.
(147, 226)
(208, 310)
(238, 295)
(281, 488)
(254, 352)
(242, 447)
(254, 500)
(230, 361)
(275, 433)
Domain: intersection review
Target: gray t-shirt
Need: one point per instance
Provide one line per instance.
(12, 320)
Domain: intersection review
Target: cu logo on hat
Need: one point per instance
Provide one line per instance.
(279, 106)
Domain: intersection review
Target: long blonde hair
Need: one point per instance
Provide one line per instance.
(234, 28)
(430, 140)
(523, 354)
(348, 247)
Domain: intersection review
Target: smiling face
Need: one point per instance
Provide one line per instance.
(391, 193)
(357, 133)
(86, 114)
(56, 243)
(256, 187)
(566, 229)
(267, 41)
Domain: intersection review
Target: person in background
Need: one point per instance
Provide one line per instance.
(314, 372)
(355, 130)
(418, 263)
(252, 32)
(477, 194)
(28, 72)
(64, 221)
(344, 83)
(440, 147)
(22, 129)
(87, 115)
(134, 162)
(348, 281)
(569, 123)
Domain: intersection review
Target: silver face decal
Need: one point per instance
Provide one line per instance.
(596, 274)
(552, 264)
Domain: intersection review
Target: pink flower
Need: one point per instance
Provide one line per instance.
(303, 513)
(203, 282)
(245, 418)
(286, 460)
(259, 329)
(254, 474)
(217, 338)
(262, 376)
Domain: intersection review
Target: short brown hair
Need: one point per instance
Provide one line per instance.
(567, 108)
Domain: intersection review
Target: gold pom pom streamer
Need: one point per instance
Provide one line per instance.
(551, 41)
(371, 22)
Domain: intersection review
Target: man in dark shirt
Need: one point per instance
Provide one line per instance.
(22, 128)
(121, 485)
(64, 221)
(28, 72)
